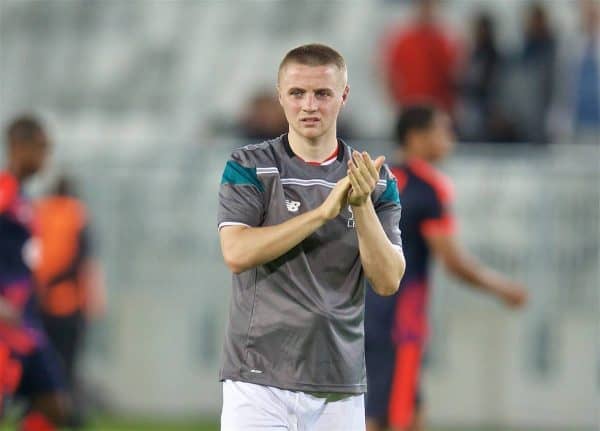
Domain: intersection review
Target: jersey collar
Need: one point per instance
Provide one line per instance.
(337, 155)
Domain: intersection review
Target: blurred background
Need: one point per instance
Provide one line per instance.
(144, 100)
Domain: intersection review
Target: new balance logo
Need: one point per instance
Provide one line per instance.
(292, 206)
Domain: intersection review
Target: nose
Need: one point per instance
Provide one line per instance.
(310, 103)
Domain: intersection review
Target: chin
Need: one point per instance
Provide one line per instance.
(310, 133)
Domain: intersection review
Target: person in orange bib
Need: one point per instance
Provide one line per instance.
(70, 287)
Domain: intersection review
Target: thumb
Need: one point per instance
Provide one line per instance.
(343, 185)
(344, 182)
(379, 162)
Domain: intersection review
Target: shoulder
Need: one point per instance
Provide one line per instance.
(9, 190)
(400, 174)
(261, 155)
(439, 183)
(71, 210)
(387, 186)
(246, 163)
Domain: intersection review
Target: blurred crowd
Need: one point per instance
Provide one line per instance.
(547, 89)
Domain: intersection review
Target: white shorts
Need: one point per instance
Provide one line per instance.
(251, 407)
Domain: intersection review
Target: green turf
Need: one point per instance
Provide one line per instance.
(144, 425)
(110, 425)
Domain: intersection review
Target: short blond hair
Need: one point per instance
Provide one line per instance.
(314, 54)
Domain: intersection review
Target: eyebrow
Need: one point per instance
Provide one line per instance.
(329, 90)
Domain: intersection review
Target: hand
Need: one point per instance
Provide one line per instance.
(336, 200)
(514, 295)
(9, 314)
(363, 174)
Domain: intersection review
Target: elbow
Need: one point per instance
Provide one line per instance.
(235, 263)
(388, 287)
(235, 268)
(454, 267)
(391, 284)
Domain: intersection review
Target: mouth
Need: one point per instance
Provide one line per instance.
(310, 121)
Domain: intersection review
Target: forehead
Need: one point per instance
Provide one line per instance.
(37, 141)
(305, 76)
(441, 119)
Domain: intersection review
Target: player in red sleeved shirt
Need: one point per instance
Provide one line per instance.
(396, 327)
(29, 367)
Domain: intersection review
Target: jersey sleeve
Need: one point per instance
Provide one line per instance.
(241, 194)
(388, 208)
(9, 190)
(438, 217)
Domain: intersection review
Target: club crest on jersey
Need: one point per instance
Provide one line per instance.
(292, 206)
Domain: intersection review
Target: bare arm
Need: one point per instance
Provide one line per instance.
(8, 313)
(465, 267)
(246, 247)
(92, 278)
(383, 263)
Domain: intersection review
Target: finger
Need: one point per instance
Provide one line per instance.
(343, 185)
(363, 173)
(374, 172)
(360, 163)
(362, 186)
(365, 187)
(379, 163)
(355, 194)
(357, 186)
(345, 192)
(339, 194)
(354, 159)
(344, 182)
(357, 158)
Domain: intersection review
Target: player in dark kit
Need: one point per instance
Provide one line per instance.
(32, 369)
(396, 326)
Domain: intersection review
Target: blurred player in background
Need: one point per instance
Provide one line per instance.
(21, 333)
(263, 117)
(421, 59)
(69, 280)
(302, 219)
(396, 327)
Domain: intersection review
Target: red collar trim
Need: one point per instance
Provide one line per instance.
(327, 161)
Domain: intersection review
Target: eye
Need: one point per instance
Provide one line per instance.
(296, 92)
(323, 93)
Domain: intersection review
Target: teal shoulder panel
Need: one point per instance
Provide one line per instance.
(391, 192)
(236, 174)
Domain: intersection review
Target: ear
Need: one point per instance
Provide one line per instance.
(345, 94)
(278, 89)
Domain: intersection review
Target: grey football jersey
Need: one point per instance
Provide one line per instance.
(296, 322)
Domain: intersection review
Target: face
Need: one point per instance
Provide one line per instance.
(311, 97)
(440, 137)
(30, 155)
(590, 16)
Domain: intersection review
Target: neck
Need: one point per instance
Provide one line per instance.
(13, 168)
(313, 150)
(411, 154)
